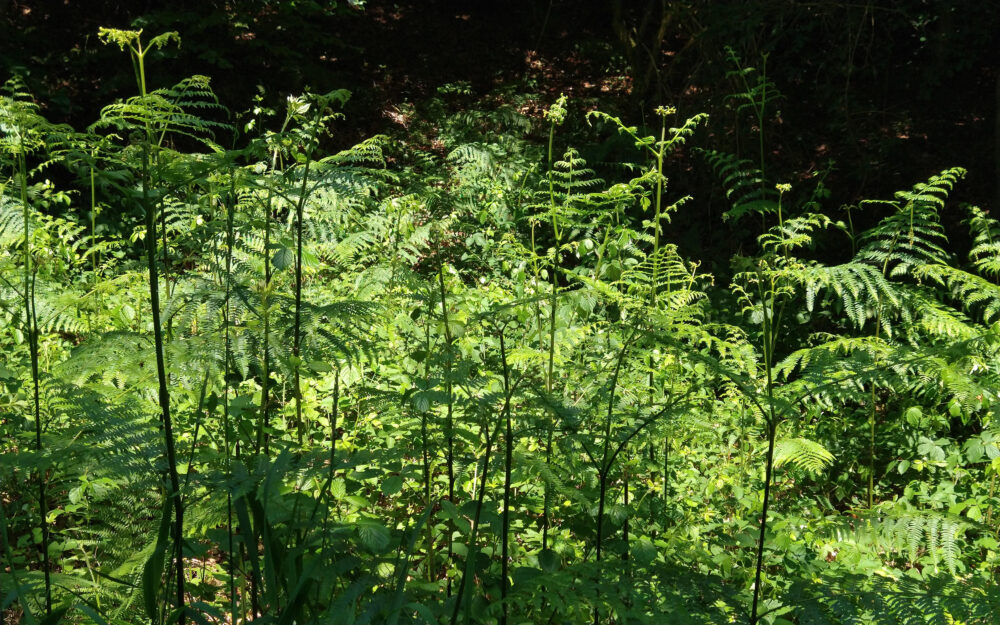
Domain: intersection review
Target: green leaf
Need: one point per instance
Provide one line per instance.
(548, 560)
(374, 536)
(283, 259)
(644, 551)
(319, 366)
(392, 485)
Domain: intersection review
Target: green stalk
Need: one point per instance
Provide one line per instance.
(297, 338)
(549, 375)
(334, 414)
(654, 304)
(425, 446)
(93, 232)
(772, 427)
(31, 325)
(161, 374)
(508, 461)
(760, 113)
(471, 551)
(263, 435)
(872, 412)
(607, 462)
(555, 264)
(226, 314)
(449, 417)
(993, 490)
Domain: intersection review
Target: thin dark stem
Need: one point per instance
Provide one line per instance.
(606, 462)
(508, 461)
(226, 320)
(769, 467)
(767, 333)
(163, 393)
(550, 372)
(625, 526)
(297, 338)
(425, 446)
(449, 417)
(263, 435)
(334, 414)
(31, 327)
(546, 504)
(471, 551)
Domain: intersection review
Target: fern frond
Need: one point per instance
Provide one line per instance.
(802, 453)
(971, 291)
(985, 252)
(745, 185)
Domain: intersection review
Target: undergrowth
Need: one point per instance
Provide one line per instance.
(249, 380)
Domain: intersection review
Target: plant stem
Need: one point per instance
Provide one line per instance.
(449, 416)
(226, 314)
(93, 236)
(471, 550)
(297, 338)
(31, 325)
(772, 427)
(508, 460)
(161, 374)
(425, 445)
(263, 434)
(549, 375)
(607, 457)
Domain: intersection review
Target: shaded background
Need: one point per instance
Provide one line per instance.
(889, 92)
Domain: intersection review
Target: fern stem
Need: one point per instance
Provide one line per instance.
(760, 114)
(508, 461)
(31, 327)
(872, 412)
(767, 332)
(654, 303)
(549, 376)
(297, 338)
(608, 458)
(555, 263)
(768, 470)
(140, 57)
(93, 237)
(471, 548)
(449, 415)
(425, 446)
(334, 415)
(263, 435)
(163, 393)
(993, 490)
(227, 354)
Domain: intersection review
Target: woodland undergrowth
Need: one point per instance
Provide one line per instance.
(248, 379)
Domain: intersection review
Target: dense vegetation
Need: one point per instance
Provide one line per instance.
(471, 371)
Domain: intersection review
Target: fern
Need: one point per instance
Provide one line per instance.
(911, 533)
(985, 252)
(802, 453)
(912, 235)
(745, 185)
